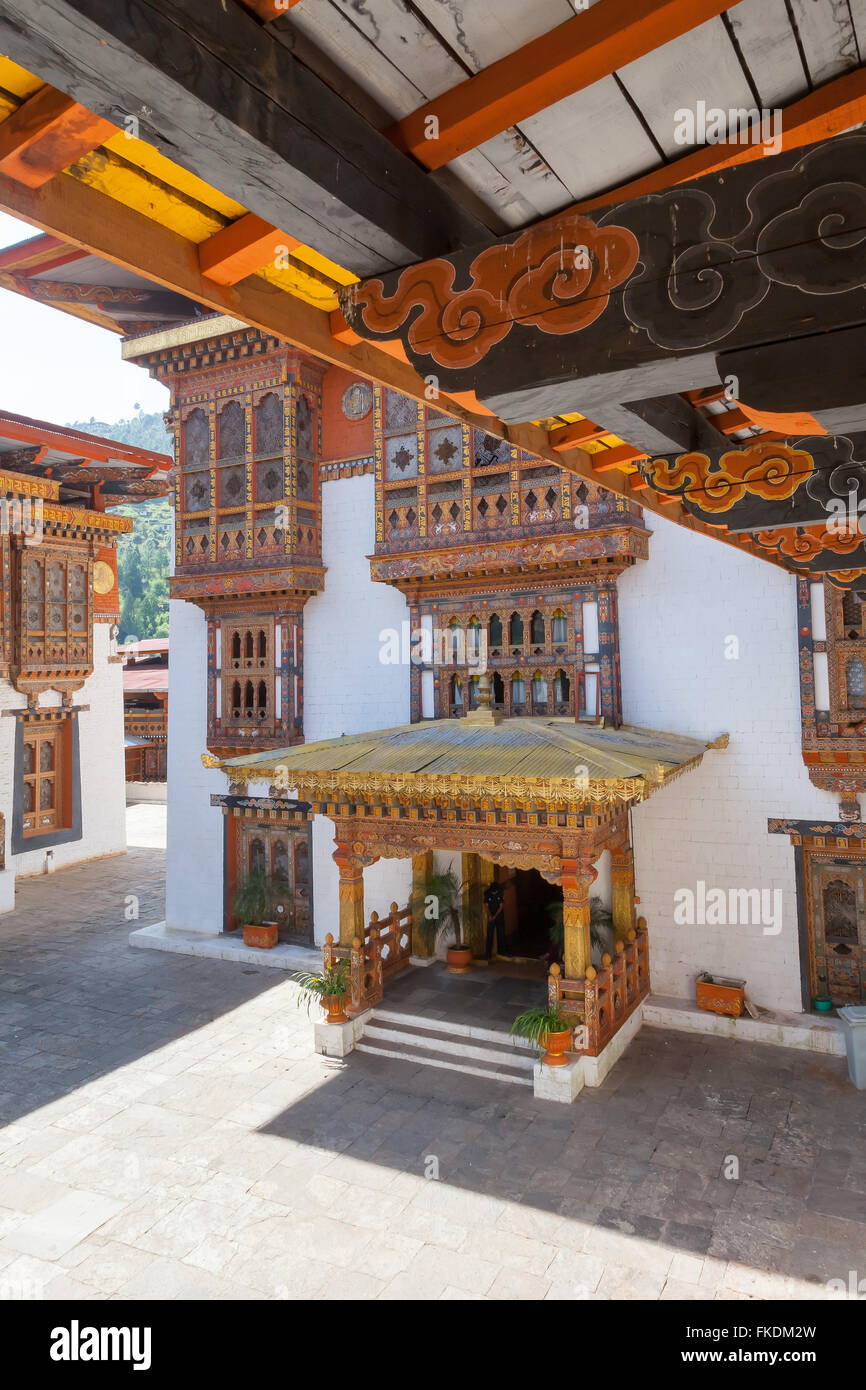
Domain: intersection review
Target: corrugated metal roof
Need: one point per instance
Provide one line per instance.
(526, 748)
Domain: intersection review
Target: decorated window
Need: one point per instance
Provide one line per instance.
(42, 784)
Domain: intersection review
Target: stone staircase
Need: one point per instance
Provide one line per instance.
(453, 1046)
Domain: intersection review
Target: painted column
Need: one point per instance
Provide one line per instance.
(422, 867)
(622, 891)
(352, 922)
(578, 875)
(474, 883)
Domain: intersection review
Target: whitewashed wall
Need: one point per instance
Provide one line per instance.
(346, 688)
(194, 854)
(677, 614)
(103, 800)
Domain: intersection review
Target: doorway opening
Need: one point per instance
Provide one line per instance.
(533, 914)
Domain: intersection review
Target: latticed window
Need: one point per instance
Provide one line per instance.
(231, 439)
(559, 628)
(855, 683)
(42, 779)
(495, 630)
(269, 425)
(248, 672)
(55, 619)
(515, 631)
(536, 630)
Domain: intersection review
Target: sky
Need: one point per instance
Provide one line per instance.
(58, 368)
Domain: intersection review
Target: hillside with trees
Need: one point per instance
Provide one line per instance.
(143, 557)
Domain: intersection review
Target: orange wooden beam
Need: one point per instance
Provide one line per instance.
(46, 134)
(568, 58)
(606, 460)
(243, 247)
(268, 9)
(580, 432)
(837, 106)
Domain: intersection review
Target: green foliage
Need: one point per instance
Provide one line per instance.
(143, 557)
(255, 899)
(535, 1024)
(333, 983)
(447, 891)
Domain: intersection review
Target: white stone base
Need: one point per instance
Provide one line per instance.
(422, 961)
(565, 1083)
(595, 1069)
(338, 1039)
(7, 890)
(558, 1083)
(225, 946)
(811, 1032)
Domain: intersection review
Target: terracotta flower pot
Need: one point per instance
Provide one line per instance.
(556, 1048)
(721, 996)
(264, 936)
(459, 960)
(334, 1008)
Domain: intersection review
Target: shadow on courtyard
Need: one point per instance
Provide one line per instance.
(76, 1002)
(644, 1155)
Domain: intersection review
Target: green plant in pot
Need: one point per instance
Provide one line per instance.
(438, 913)
(330, 989)
(548, 1030)
(255, 908)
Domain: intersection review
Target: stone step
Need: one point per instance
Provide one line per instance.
(421, 1023)
(399, 1048)
(498, 1053)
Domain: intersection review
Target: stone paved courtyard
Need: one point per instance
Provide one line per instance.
(167, 1132)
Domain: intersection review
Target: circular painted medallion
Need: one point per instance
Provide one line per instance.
(358, 400)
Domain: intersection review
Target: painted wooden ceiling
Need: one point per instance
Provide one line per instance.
(264, 163)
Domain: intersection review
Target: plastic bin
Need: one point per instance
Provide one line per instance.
(854, 1019)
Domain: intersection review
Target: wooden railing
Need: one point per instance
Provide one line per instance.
(602, 1001)
(386, 948)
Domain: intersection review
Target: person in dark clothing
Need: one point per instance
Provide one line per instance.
(494, 902)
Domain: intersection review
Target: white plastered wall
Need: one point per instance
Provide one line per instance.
(678, 612)
(194, 836)
(346, 690)
(103, 800)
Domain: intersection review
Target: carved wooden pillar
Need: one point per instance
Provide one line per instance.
(622, 891)
(578, 875)
(351, 869)
(422, 867)
(473, 901)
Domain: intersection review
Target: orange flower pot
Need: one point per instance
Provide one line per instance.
(721, 996)
(459, 959)
(334, 1009)
(265, 937)
(556, 1048)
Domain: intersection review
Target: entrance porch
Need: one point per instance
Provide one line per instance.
(537, 794)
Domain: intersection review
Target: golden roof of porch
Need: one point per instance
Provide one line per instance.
(534, 758)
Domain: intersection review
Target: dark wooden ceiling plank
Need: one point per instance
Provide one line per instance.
(215, 92)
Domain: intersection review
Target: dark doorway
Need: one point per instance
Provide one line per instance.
(532, 908)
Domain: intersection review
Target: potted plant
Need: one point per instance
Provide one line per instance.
(720, 996)
(329, 989)
(446, 890)
(254, 909)
(549, 1030)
